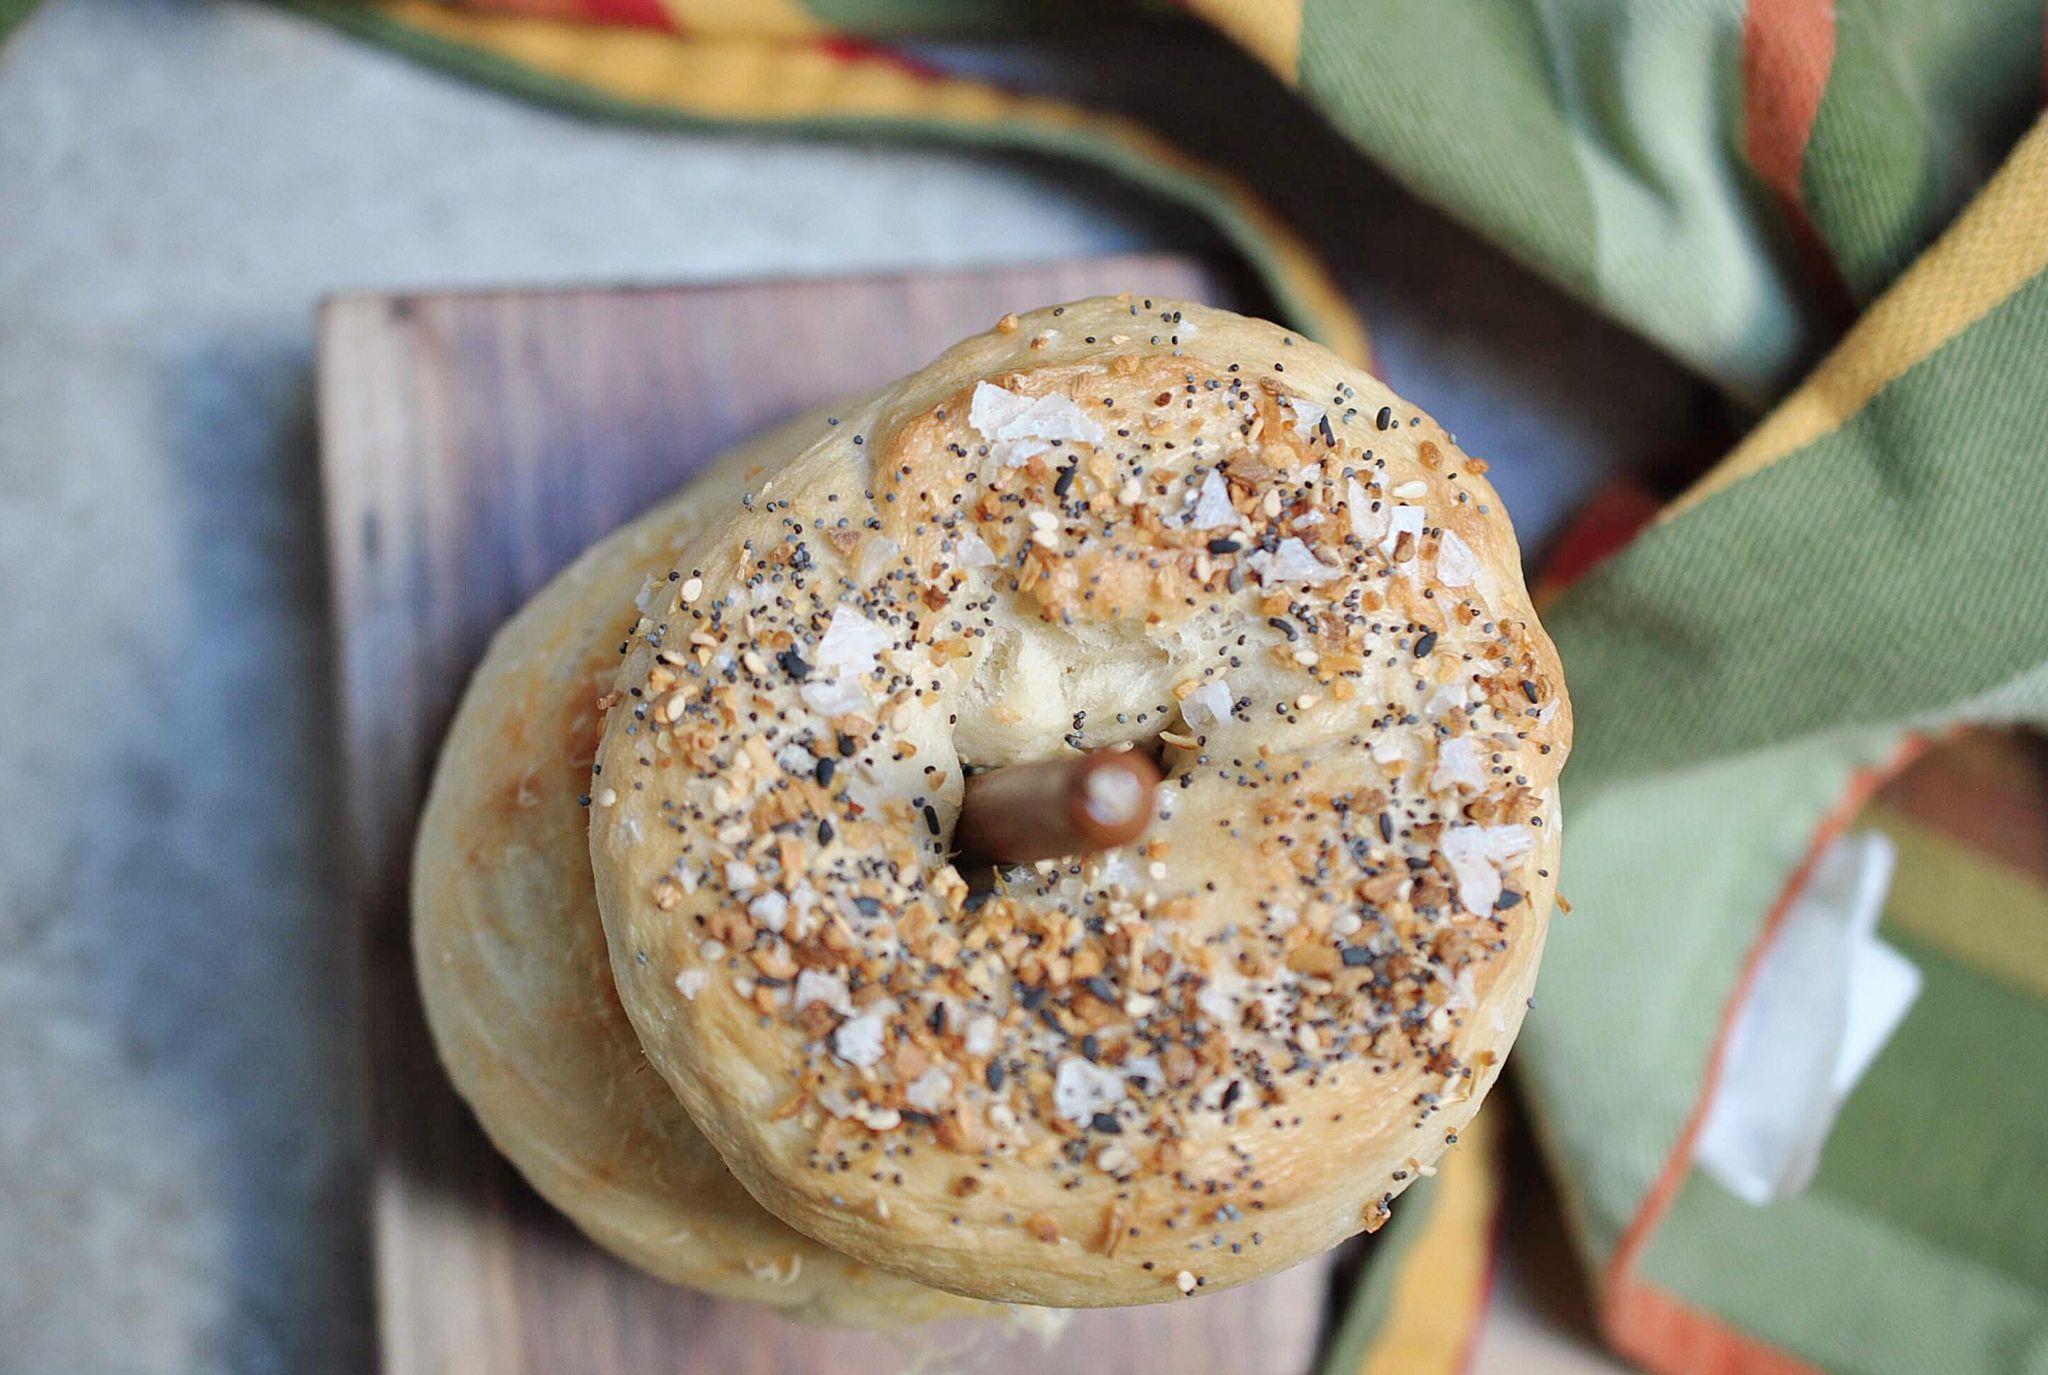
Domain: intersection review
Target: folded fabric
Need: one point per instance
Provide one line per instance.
(1737, 181)
(1866, 569)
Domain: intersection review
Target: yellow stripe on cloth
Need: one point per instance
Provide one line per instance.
(1998, 244)
(1979, 912)
(1440, 1294)
(744, 80)
(1269, 30)
(758, 18)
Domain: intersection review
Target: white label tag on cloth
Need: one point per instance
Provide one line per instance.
(1827, 997)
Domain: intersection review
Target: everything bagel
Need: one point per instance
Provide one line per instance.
(1154, 1071)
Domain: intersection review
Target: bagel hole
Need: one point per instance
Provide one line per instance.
(1042, 691)
(983, 874)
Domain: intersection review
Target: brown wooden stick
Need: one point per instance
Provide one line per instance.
(1058, 807)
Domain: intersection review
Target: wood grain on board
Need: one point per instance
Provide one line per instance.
(472, 444)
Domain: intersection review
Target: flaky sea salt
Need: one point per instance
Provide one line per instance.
(1019, 427)
(656, 597)
(1475, 854)
(834, 696)
(1402, 520)
(877, 553)
(817, 986)
(1213, 510)
(1207, 705)
(850, 643)
(930, 1091)
(1459, 763)
(1293, 562)
(1456, 564)
(973, 552)
(1445, 698)
(771, 909)
(858, 1040)
(1368, 524)
(1307, 414)
(994, 407)
(1081, 1089)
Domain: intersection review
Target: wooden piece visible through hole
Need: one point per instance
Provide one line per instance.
(1057, 808)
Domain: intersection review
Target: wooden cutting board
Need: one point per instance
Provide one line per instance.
(471, 445)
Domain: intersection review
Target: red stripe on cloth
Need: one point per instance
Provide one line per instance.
(1788, 49)
(1664, 1335)
(845, 49)
(644, 14)
(1993, 813)
(1619, 1282)
(1617, 513)
(1788, 52)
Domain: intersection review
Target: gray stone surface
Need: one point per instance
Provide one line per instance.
(178, 1142)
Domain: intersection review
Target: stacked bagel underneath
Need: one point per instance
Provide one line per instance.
(692, 937)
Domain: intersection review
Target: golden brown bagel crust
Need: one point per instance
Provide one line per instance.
(1173, 1067)
(512, 961)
